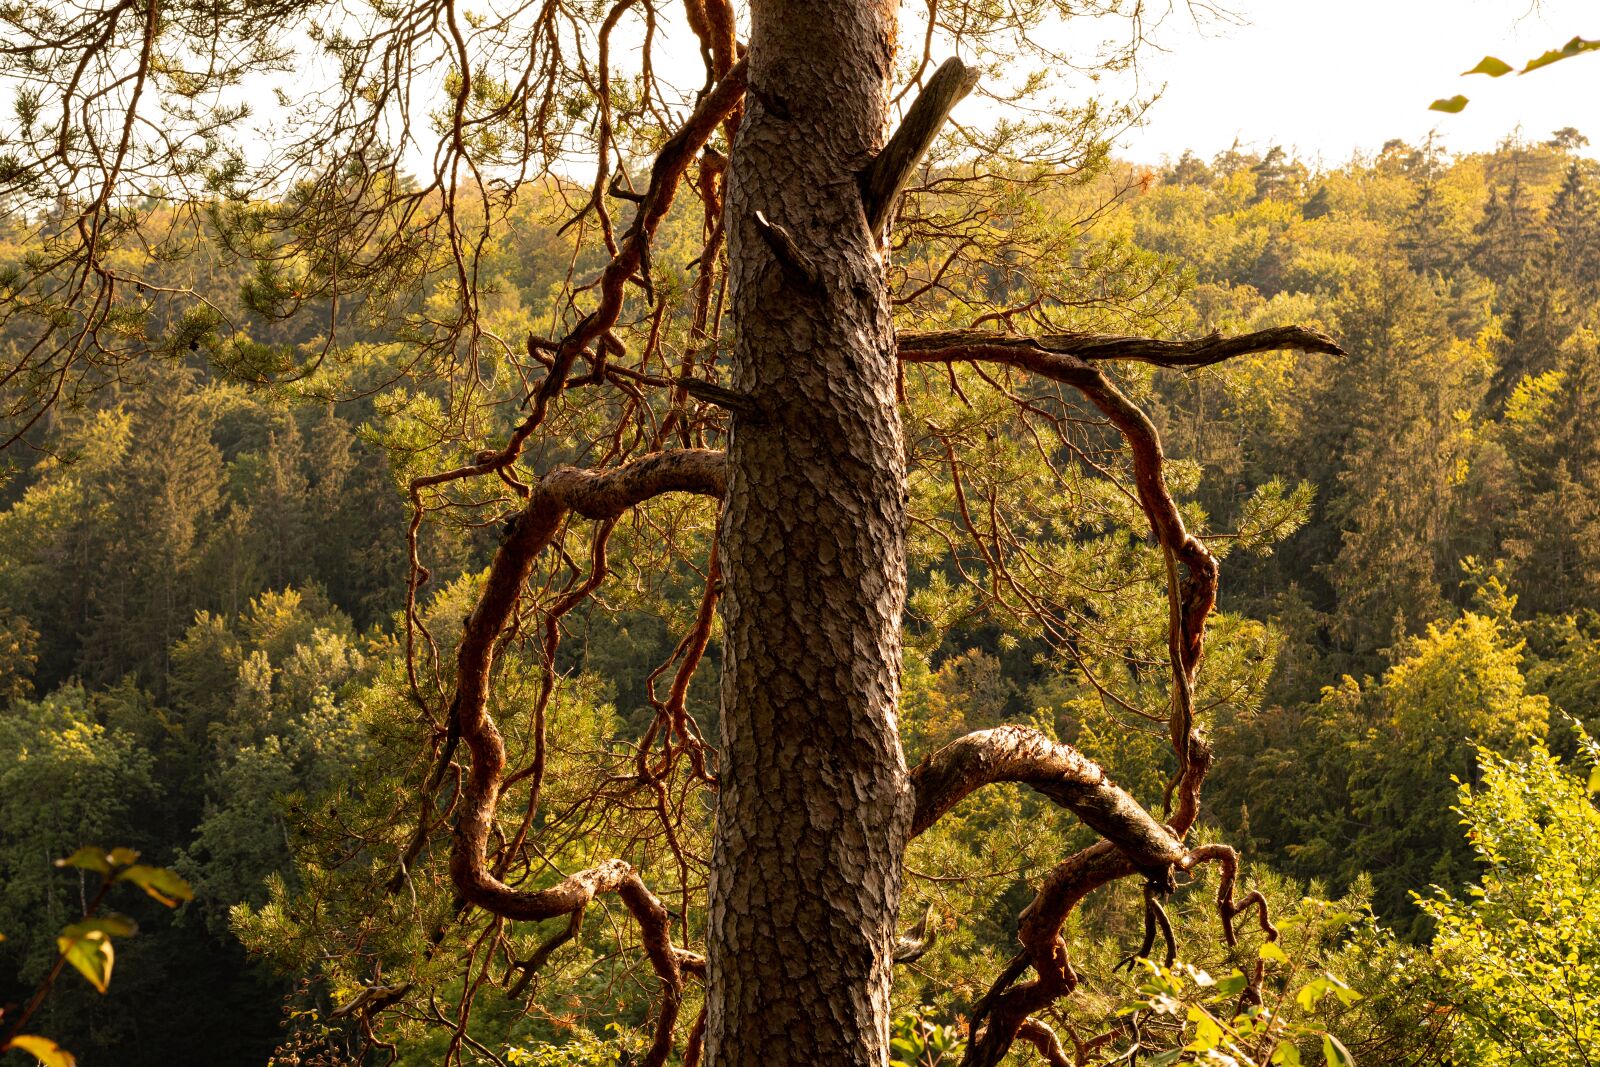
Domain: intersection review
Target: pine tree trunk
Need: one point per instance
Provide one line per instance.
(815, 806)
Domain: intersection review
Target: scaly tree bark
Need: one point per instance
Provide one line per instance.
(815, 806)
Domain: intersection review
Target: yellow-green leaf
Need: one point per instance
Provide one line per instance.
(110, 924)
(1233, 984)
(1310, 993)
(42, 1049)
(1451, 105)
(158, 882)
(90, 952)
(123, 857)
(1575, 47)
(1207, 1033)
(88, 858)
(1491, 66)
(1270, 951)
(1334, 1054)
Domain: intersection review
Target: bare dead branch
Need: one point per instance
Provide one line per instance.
(371, 999)
(1226, 858)
(915, 942)
(886, 176)
(720, 396)
(796, 265)
(978, 345)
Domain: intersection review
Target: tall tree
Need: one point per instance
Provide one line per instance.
(142, 591)
(801, 440)
(1575, 221)
(813, 528)
(1508, 233)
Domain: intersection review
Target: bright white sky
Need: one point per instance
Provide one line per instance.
(1332, 77)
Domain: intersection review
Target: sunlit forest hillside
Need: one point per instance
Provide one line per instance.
(213, 640)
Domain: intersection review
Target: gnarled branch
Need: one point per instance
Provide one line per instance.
(1058, 771)
(607, 494)
(1004, 1014)
(595, 495)
(602, 494)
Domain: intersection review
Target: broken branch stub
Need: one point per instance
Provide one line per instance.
(886, 176)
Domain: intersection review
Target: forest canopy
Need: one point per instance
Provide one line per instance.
(555, 598)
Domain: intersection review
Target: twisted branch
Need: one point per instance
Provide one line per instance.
(593, 495)
(1133, 842)
(1058, 771)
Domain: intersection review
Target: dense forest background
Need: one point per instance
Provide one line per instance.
(201, 652)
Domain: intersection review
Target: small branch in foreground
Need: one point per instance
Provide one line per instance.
(1046, 1043)
(1226, 858)
(529, 967)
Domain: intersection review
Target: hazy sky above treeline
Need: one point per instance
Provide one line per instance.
(1331, 79)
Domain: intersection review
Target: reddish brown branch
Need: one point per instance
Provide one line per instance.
(1069, 359)
(679, 151)
(670, 164)
(672, 715)
(695, 1044)
(588, 493)
(1227, 859)
(1044, 1039)
(1065, 358)
(596, 495)
(1008, 1004)
(529, 967)
(1058, 771)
